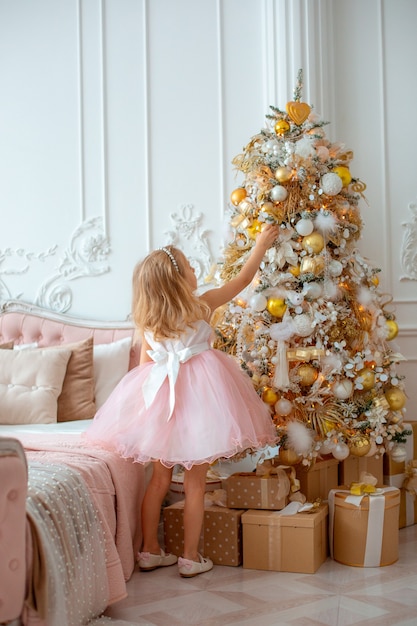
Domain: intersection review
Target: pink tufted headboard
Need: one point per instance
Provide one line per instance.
(26, 323)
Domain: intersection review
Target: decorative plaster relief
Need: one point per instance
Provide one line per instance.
(192, 241)
(21, 261)
(85, 257)
(409, 246)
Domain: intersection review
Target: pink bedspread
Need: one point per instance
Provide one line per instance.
(117, 487)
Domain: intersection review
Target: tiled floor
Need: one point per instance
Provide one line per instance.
(336, 595)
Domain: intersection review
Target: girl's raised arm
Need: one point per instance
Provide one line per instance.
(225, 293)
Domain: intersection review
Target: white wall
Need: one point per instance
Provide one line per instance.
(119, 120)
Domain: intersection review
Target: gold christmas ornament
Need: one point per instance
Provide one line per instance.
(392, 329)
(396, 398)
(359, 445)
(375, 280)
(307, 374)
(344, 174)
(237, 196)
(268, 208)
(298, 111)
(313, 242)
(310, 265)
(283, 174)
(295, 270)
(254, 229)
(282, 127)
(287, 456)
(276, 306)
(269, 396)
(367, 378)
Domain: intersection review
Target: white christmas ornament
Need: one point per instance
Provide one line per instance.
(258, 302)
(331, 184)
(335, 268)
(312, 291)
(283, 407)
(295, 298)
(302, 323)
(326, 447)
(342, 389)
(398, 453)
(304, 227)
(278, 193)
(340, 451)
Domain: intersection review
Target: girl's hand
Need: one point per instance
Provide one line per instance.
(267, 236)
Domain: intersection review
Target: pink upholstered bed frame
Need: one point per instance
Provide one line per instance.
(27, 324)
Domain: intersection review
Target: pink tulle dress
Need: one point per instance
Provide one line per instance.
(190, 405)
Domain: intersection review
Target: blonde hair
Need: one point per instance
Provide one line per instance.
(163, 302)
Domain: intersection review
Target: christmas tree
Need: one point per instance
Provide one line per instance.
(312, 330)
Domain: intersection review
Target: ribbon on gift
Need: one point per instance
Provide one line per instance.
(217, 497)
(410, 480)
(375, 527)
(267, 469)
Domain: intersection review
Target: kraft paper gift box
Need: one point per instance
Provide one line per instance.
(391, 467)
(246, 490)
(285, 543)
(363, 529)
(351, 468)
(407, 483)
(317, 480)
(221, 535)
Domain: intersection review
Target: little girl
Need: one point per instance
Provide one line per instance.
(186, 403)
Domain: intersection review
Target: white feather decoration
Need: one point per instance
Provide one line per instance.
(325, 221)
(300, 438)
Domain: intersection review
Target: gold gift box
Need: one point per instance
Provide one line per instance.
(408, 502)
(221, 535)
(350, 469)
(285, 543)
(245, 490)
(316, 481)
(349, 523)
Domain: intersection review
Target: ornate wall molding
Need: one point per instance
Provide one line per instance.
(409, 246)
(189, 236)
(85, 257)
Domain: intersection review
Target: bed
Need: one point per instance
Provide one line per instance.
(69, 512)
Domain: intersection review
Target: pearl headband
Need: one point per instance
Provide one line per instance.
(172, 258)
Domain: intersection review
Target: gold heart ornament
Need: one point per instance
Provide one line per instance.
(298, 111)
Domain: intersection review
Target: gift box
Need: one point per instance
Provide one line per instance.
(246, 490)
(176, 489)
(392, 467)
(406, 482)
(317, 480)
(221, 535)
(285, 543)
(351, 468)
(363, 529)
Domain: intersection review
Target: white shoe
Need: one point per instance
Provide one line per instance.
(148, 561)
(188, 568)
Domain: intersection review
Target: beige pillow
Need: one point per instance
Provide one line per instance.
(76, 401)
(111, 363)
(30, 383)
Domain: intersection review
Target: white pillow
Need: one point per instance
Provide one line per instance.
(111, 363)
(30, 383)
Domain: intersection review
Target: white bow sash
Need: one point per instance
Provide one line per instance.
(167, 364)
